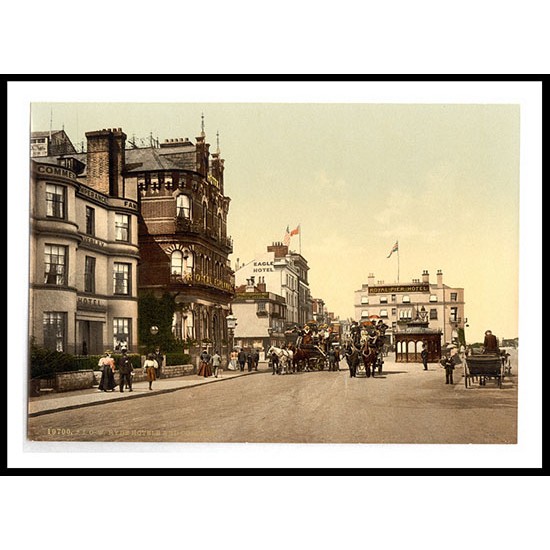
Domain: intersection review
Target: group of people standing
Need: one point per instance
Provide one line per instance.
(152, 368)
(210, 364)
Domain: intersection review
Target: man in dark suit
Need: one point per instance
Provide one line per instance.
(241, 358)
(125, 368)
(490, 343)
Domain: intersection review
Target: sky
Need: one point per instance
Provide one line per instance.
(442, 180)
(440, 177)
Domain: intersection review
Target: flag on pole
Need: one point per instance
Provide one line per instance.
(295, 231)
(286, 240)
(395, 248)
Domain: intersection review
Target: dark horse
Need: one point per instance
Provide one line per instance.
(352, 358)
(369, 355)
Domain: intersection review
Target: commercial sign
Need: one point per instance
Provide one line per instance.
(91, 194)
(55, 171)
(395, 289)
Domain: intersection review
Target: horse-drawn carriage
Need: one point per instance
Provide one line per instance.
(365, 350)
(309, 347)
(483, 366)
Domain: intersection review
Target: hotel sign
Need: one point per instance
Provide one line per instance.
(395, 289)
(55, 171)
(91, 303)
(262, 267)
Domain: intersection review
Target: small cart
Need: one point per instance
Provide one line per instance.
(483, 366)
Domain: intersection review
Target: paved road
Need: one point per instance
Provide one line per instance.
(405, 405)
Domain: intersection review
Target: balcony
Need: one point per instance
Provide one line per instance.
(186, 225)
(195, 279)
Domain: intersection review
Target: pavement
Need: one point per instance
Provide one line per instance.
(54, 402)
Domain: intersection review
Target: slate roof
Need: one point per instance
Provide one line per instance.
(144, 160)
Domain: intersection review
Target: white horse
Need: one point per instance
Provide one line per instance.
(285, 358)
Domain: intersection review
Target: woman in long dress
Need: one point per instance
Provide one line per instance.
(107, 366)
(205, 369)
(233, 360)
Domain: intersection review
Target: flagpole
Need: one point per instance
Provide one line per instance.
(300, 238)
(397, 261)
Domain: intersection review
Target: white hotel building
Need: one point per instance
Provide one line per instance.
(399, 303)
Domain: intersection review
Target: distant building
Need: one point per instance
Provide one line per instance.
(399, 303)
(260, 317)
(284, 273)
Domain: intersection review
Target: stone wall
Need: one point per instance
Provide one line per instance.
(76, 380)
(85, 379)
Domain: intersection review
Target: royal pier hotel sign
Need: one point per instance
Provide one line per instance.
(396, 289)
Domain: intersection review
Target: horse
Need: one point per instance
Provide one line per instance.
(369, 355)
(285, 358)
(352, 358)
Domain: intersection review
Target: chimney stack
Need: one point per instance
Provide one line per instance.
(425, 276)
(439, 278)
(105, 161)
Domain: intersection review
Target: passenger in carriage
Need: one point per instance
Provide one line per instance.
(490, 343)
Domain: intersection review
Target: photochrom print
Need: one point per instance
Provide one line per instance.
(241, 272)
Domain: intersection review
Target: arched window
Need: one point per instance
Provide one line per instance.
(182, 262)
(183, 207)
(177, 263)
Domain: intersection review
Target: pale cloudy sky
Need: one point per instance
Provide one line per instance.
(356, 172)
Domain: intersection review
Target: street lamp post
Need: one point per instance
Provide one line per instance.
(154, 330)
(231, 321)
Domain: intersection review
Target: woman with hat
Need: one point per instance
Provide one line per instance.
(150, 367)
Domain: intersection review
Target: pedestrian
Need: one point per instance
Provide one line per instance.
(150, 368)
(255, 359)
(332, 359)
(233, 360)
(449, 362)
(125, 369)
(250, 360)
(159, 358)
(352, 358)
(204, 369)
(107, 366)
(424, 356)
(216, 361)
(490, 343)
(274, 359)
(242, 359)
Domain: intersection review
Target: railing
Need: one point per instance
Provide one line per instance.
(185, 225)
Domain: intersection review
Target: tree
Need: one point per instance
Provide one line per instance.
(159, 312)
